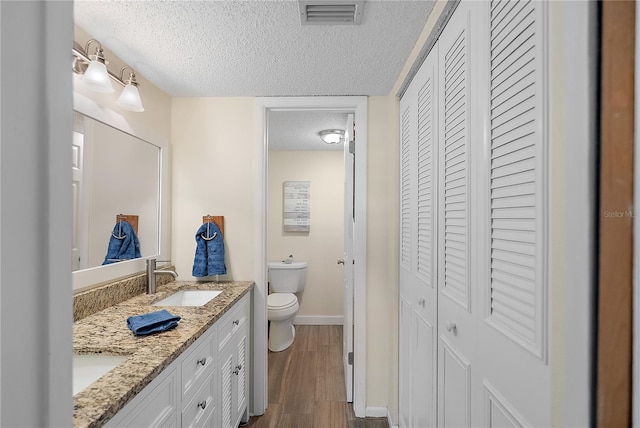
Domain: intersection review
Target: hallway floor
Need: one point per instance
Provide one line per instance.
(306, 384)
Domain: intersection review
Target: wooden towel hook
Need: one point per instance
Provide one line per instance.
(132, 219)
(217, 219)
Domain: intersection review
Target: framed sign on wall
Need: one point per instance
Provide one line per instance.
(296, 206)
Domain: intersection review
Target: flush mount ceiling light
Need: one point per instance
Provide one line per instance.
(332, 136)
(97, 77)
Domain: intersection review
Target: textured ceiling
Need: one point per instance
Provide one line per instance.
(255, 47)
(298, 130)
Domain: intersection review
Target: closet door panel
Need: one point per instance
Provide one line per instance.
(405, 363)
(456, 323)
(514, 304)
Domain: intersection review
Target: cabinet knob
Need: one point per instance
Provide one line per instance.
(236, 322)
(451, 327)
(202, 404)
(202, 361)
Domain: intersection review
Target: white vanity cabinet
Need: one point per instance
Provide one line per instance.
(233, 360)
(206, 386)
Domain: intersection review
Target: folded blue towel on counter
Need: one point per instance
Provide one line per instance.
(153, 322)
(123, 244)
(209, 258)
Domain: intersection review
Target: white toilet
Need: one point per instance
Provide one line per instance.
(285, 279)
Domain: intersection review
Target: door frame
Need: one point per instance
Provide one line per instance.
(357, 104)
(615, 229)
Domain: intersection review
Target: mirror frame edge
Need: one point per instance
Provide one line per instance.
(88, 278)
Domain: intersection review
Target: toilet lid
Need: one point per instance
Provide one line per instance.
(281, 300)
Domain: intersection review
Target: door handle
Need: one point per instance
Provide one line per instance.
(340, 261)
(422, 301)
(451, 327)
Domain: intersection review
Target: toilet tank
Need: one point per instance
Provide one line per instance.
(287, 277)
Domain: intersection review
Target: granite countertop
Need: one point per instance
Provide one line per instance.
(106, 332)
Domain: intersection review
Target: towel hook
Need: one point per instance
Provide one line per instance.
(122, 235)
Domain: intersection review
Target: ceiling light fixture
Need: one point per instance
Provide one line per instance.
(332, 136)
(96, 76)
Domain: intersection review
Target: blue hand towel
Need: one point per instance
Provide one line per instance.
(209, 258)
(124, 248)
(153, 322)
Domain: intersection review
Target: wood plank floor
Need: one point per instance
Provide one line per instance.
(306, 384)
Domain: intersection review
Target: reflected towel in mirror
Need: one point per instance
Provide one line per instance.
(123, 244)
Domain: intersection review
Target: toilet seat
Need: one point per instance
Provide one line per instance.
(281, 301)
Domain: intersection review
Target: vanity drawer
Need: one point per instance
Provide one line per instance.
(199, 410)
(199, 363)
(232, 321)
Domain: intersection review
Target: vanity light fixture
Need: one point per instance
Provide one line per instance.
(96, 76)
(332, 136)
(130, 97)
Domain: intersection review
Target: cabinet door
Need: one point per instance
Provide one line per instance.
(156, 405)
(241, 382)
(225, 374)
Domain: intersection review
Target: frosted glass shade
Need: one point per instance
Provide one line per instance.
(130, 99)
(97, 78)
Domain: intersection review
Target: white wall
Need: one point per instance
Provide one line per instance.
(323, 245)
(35, 216)
(213, 142)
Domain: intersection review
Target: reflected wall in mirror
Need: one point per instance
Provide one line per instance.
(113, 173)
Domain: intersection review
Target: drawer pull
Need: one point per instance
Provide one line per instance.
(203, 404)
(236, 322)
(202, 361)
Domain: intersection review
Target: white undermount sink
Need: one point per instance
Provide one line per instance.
(189, 298)
(89, 368)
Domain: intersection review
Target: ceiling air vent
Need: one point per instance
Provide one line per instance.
(330, 12)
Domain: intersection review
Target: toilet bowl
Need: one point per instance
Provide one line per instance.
(285, 279)
(281, 310)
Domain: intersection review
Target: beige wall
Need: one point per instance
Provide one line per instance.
(213, 141)
(382, 252)
(324, 244)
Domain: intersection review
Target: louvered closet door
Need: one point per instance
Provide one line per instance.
(418, 298)
(407, 293)
(457, 288)
(513, 348)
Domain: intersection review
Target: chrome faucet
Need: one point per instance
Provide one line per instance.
(151, 275)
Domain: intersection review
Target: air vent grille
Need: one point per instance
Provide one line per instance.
(333, 12)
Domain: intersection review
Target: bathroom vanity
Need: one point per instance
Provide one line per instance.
(194, 375)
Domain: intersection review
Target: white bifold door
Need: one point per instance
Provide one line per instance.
(473, 300)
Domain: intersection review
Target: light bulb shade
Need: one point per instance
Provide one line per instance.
(130, 99)
(332, 136)
(97, 78)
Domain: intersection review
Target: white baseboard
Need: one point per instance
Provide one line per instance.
(376, 412)
(318, 320)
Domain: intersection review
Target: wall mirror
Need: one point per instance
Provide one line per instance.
(117, 169)
(113, 173)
